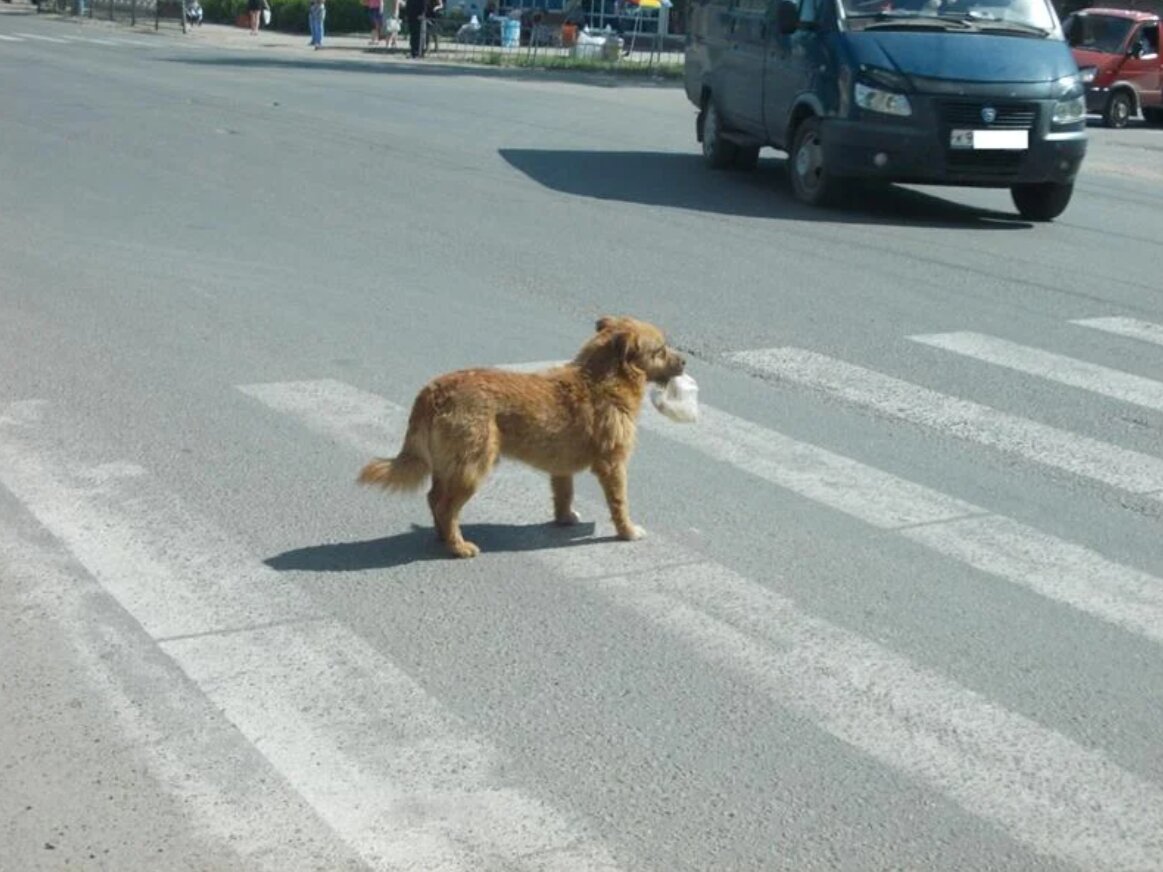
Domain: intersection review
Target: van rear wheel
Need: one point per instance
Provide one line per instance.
(1044, 201)
(811, 180)
(718, 151)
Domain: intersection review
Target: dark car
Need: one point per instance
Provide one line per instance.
(970, 92)
(1119, 52)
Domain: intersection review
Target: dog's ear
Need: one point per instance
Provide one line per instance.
(605, 323)
(625, 345)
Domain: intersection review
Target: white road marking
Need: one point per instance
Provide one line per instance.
(1125, 596)
(424, 795)
(1129, 327)
(4, 38)
(40, 38)
(1005, 548)
(1062, 799)
(1039, 443)
(1103, 380)
(228, 791)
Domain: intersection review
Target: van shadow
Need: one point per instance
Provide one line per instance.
(682, 181)
(421, 545)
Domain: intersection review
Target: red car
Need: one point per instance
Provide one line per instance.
(1118, 52)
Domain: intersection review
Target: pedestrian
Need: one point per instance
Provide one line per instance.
(392, 25)
(414, 10)
(316, 14)
(254, 7)
(375, 12)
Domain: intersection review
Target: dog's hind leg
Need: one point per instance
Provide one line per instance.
(447, 513)
(434, 495)
(563, 512)
(457, 485)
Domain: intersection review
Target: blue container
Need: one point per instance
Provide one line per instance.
(510, 33)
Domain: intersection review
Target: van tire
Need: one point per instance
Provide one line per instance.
(1043, 201)
(719, 152)
(1120, 106)
(811, 181)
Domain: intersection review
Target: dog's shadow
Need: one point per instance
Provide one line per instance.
(421, 544)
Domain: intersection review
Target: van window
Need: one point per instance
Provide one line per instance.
(1101, 33)
(809, 11)
(1147, 40)
(1031, 13)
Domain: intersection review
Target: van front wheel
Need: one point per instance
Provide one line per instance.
(718, 151)
(1119, 109)
(811, 180)
(1042, 202)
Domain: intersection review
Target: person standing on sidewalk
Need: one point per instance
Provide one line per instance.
(414, 10)
(254, 7)
(375, 12)
(316, 14)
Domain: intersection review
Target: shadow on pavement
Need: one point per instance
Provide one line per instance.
(420, 545)
(682, 181)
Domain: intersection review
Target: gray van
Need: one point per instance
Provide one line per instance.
(983, 93)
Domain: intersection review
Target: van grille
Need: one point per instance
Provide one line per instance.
(967, 114)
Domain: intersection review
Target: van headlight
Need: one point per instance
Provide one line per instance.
(1067, 86)
(1072, 111)
(880, 100)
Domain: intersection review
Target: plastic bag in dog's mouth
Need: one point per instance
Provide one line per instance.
(679, 400)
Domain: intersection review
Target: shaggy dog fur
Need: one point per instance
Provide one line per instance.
(562, 421)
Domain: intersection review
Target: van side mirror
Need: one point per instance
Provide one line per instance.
(787, 16)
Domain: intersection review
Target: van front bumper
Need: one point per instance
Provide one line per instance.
(902, 153)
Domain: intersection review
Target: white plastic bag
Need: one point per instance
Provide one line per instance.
(266, 15)
(679, 400)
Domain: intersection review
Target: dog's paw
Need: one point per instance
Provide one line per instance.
(464, 549)
(568, 520)
(632, 533)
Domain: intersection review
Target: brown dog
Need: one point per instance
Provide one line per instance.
(578, 416)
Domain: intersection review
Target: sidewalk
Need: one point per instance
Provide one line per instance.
(346, 47)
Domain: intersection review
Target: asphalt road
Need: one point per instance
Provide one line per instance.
(901, 605)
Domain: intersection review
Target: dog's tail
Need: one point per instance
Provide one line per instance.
(409, 469)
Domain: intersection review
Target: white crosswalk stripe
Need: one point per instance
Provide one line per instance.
(1116, 384)
(1040, 787)
(1000, 546)
(1039, 443)
(317, 711)
(40, 38)
(1128, 327)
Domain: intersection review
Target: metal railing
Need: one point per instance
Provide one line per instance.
(534, 38)
(131, 11)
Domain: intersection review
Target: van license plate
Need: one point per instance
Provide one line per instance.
(990, 140)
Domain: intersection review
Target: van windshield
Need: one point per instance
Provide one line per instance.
(1101, 33)
(1018, 15)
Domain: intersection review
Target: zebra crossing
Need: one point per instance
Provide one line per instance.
(424, 792)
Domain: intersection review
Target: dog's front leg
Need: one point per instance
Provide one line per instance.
(563, 512)
(612, 477)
